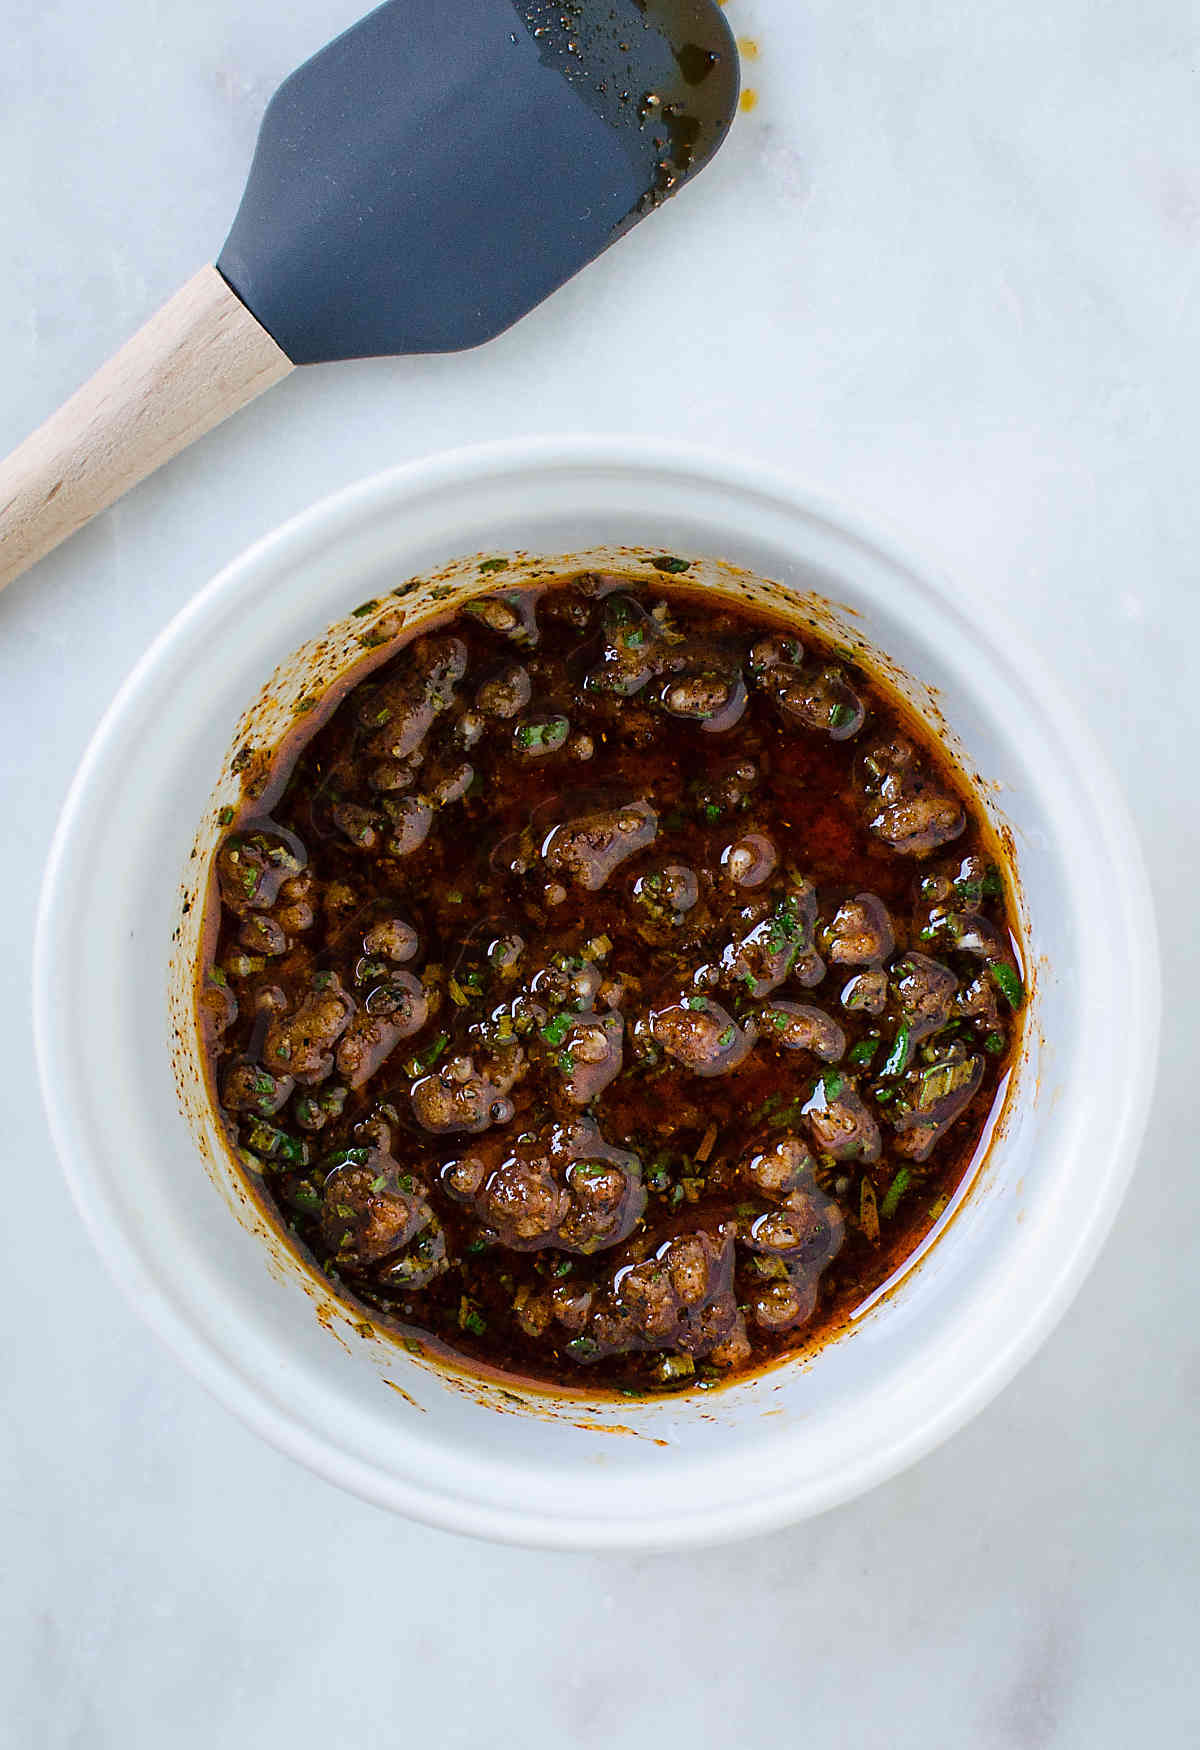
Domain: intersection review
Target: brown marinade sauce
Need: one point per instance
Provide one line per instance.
(613, 989)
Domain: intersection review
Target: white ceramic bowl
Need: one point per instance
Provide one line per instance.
(196, 1258)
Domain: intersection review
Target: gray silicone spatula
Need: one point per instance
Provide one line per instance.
(417, 186)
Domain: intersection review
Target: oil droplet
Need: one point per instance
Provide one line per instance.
(748, 101)
(748, 48)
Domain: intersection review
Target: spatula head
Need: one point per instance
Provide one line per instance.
(446, 164)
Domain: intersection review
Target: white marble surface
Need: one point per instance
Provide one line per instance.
(947, 269)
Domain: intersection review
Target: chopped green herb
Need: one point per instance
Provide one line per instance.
(566, 1063)
(788, 1116)
(840, 715)
(787, 916)
(470, 1318)
(225, 817)
(556, 1029)
(994, 1044)
(347, 1157)
(944, 1079)
(492, 565)
(695, 1002)
(726, 1037)
(426, 1060)
(363, 609)
(551, 734)
(897, 1058)
(863, 1050)
(277, 1145)
(674, 1369)
(711, 811)
(1008, 983)
(894, 1192)
(674, 567)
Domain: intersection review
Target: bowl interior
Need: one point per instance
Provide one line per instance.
(174, 1219)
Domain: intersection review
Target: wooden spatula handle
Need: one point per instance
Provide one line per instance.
(197, 360)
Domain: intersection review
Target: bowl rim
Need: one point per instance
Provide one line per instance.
(274, 1420)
